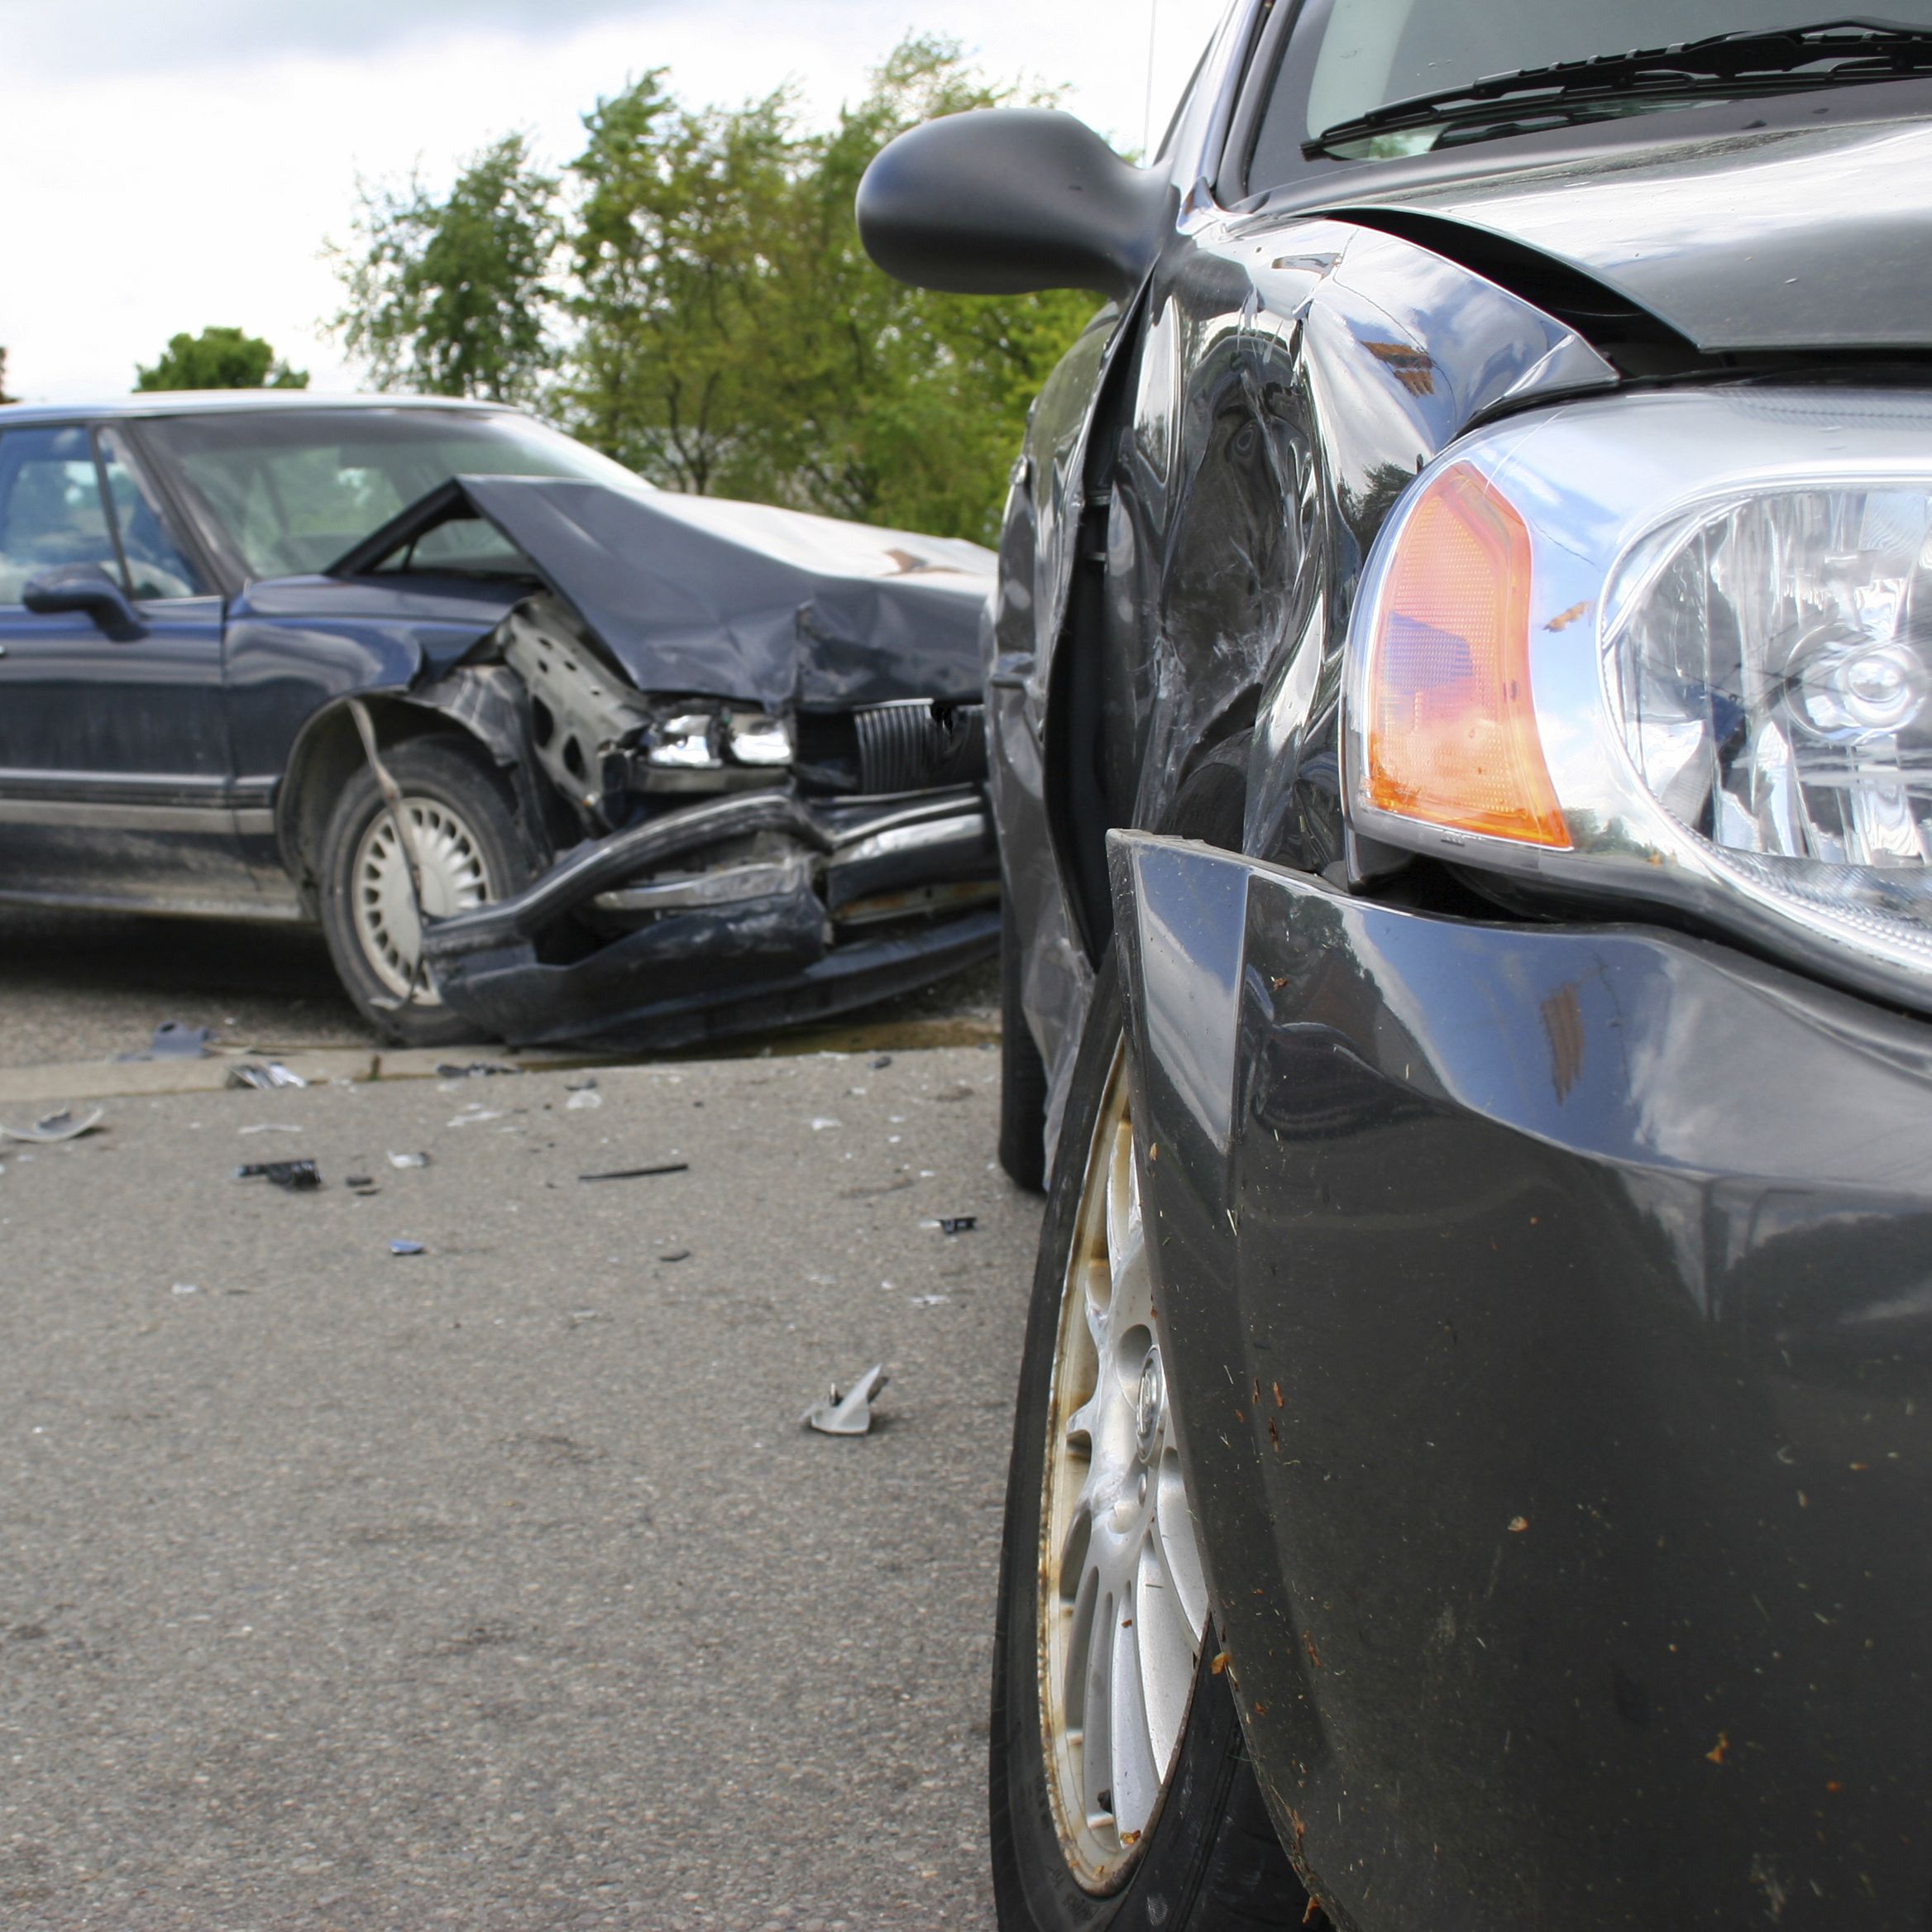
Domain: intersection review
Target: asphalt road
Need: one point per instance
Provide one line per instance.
(497, 1586)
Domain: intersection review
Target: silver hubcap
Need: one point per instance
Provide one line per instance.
(456, 876)
(1122, 1600)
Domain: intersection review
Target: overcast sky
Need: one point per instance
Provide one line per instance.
(164, 167)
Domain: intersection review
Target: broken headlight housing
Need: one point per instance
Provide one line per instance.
(710, 749)
(1675, 648)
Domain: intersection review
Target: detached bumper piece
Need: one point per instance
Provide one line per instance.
(744, 913)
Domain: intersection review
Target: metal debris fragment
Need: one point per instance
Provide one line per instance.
(955, 1223)
(639, 1174)
(849, 1414)
(264, 1075)
(50, 1128)
(409, 1161)
(298, 1177)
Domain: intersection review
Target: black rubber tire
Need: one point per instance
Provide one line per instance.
(1022, 1071)
(1210, 1859)
(466, 781)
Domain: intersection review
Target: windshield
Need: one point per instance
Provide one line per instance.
(1374, 52)
(294, 489)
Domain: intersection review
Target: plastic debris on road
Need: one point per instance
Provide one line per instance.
(954, 1223)
(849, 1414)
(186, 1288)
(475, 1070)
(582, 1099)
(409, 1161)
(401, 1247)
(639, 1174)
(298, 1177)
(264, 1075)
(675, 1254)
(53, 1127)
(174, 1041)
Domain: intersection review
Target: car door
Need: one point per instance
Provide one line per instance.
(115, 770)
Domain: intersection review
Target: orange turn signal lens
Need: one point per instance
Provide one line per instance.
(1452, 736)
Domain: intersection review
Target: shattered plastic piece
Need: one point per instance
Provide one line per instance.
(582, 1086)
(268, 1127)
(881, 1061)
(476, 1070)
(174, 1041)
(930, 1301)
(186, 1288)
(401, 1247)
(264, 1075)
(409, 1161)
(849, 1414)
(639, 1173)
(361, 1184)
(956, 1223)
(579, 1101)
(298, 1177)
(675, 1254)
(823, 1121)
(53, 1127)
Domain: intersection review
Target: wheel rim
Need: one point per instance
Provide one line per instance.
(456, 876)
(1123, 1602)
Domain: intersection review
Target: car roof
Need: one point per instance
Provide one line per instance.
(190, 402)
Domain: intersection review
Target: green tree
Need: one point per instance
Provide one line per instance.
(219, 358)
(733, 336)
(912, 405)
(675, 253)
(4, 397)
(454, 297)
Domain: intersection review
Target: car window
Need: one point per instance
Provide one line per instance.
(51, 508)
(1367, 53)
(295, 489)
(155, 565)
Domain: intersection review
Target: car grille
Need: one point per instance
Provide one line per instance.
(917, 744)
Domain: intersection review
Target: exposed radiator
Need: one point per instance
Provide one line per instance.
(917, 744)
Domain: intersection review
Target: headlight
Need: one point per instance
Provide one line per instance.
(686, 743)
(1675, 647)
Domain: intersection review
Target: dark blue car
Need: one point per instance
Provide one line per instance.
(548, 753)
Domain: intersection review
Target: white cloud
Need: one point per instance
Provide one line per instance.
(157, 194)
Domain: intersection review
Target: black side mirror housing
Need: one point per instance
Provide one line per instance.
(87, 588)
(1003, 201)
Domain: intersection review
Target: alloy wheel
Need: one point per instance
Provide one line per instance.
(1123, 1602)
(455, 877)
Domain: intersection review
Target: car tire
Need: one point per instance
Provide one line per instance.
(1206, 1858)
(467, 842)
(1022, 1072)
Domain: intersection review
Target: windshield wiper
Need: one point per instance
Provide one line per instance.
(1834, 54)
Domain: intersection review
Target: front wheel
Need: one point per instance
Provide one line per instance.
(1122, 1797)
(463, 830)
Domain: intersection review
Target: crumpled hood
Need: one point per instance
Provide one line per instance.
(740, 601)
(1815, 238)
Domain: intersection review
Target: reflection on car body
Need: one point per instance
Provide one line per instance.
(550, 754)
(1460, 707)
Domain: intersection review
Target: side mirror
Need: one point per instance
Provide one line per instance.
(1001, 201)
(87, 588)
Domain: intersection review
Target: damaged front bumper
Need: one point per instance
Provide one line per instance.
(742, 913)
